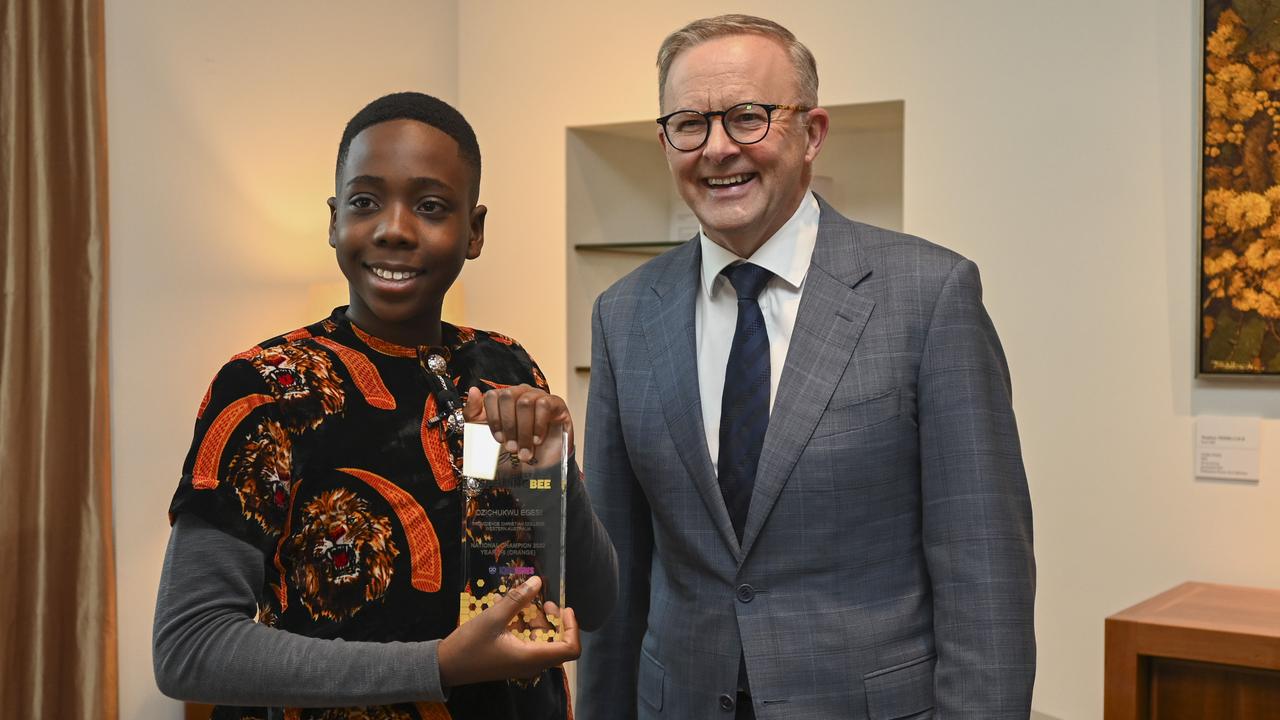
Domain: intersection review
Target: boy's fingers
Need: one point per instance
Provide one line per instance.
(492, 415)
(518, 597)
(550, 654)
(558, 420)
(526, 415)
(545, 409)
(569, 632)
(506, 418)
(567, 647)
(473, 411)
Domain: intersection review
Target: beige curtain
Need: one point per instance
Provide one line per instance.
(57, 602)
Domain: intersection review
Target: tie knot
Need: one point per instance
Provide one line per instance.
(747, 279)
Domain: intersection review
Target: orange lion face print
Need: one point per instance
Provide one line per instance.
(259, 472)
(342, 555)
(303, 383)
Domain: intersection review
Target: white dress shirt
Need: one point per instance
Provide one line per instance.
(786, 255)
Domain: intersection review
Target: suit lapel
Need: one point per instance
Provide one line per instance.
(669, 331)
(828, 324)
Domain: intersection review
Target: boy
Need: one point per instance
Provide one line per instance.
(314, 564)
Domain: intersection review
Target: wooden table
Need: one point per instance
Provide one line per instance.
(1199, 651)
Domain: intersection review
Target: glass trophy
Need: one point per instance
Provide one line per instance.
(513, 527)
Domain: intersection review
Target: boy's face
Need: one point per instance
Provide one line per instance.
(402, 223)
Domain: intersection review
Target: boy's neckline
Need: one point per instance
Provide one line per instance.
(450, 338)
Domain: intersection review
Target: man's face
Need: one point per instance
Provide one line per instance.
(766, 180)
(402, 224)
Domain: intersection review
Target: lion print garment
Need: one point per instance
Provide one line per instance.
(316, 447)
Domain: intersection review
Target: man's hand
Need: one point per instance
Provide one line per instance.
(483, 649)
(519, 416)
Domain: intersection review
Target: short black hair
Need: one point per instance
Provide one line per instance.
(425, 109)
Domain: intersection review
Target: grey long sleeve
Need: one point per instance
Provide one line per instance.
(591, 572)
(207, 646)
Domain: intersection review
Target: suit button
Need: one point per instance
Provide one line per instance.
(726, 703)
(746, 593)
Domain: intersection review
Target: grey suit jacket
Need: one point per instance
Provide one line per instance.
(886, 566)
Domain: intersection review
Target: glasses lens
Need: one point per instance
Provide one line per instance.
(686, 130)
(747, 123)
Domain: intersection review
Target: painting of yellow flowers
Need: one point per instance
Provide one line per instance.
(1240, 215)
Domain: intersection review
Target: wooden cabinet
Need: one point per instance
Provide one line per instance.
(1200, 651)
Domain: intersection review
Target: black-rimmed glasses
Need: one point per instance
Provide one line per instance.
(746, 123)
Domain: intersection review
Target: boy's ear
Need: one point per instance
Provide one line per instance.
(476, 241)
(333, 221)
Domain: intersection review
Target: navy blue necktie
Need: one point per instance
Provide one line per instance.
(744, 407)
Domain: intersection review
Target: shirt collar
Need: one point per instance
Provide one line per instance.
(787, 254)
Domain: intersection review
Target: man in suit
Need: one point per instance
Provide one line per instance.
(799, 436)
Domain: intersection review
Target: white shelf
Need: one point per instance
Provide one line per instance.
(651, 249)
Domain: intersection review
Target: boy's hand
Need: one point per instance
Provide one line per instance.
(483, 649)
(519, 416)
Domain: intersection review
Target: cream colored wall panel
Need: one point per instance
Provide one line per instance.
(224, 120)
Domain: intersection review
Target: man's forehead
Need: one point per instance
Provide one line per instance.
(731, 68)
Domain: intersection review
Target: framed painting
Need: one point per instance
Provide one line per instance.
(1239, 309)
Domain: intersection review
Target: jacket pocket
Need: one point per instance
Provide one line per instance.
(900, 691)
(652, 680)
(859, 413)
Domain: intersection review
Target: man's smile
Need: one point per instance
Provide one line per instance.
(729, 180)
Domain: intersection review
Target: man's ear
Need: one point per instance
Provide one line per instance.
(476, 241)
(333, 222)
(819, 123)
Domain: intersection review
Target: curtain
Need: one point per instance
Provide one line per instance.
(57, 605)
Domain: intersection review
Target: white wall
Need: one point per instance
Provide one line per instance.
(224, 120)
(1053, 143)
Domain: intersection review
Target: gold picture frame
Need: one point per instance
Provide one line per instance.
(1239, 311)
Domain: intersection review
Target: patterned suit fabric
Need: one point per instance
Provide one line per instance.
(885, 568)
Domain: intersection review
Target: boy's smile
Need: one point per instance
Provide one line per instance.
(402, 224)
(392, 278)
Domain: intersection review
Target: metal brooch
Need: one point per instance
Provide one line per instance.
(437, 365)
